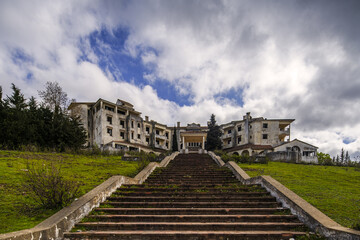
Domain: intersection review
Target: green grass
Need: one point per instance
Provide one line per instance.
(333, 190)
(89, 171)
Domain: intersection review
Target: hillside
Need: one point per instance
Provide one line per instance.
(17, 209)
(333, 190)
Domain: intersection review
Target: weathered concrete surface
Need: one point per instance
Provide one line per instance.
(308, 214)
(53, 227)
(216, 158)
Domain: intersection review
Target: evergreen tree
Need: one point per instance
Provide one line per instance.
(213, 140)
(347, 158)
(342, 157)
(174, 141)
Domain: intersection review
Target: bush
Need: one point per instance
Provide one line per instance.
(48, 186)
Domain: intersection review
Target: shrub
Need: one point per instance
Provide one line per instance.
(48, 186)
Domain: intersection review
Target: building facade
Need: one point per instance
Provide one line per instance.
(118, 126)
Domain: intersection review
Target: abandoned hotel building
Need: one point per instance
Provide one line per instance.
(118, 126)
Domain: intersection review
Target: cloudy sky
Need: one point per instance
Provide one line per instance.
(183, 60)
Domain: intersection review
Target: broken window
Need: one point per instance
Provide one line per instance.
(147, 140)
(138, 136)
(239, 139)
(138, 125)
(121, 112)
(109, 108)
(132, 135)
(239, 128)
(147, 129)
(122, 123)
(109, 119)
(229, 131)
(122, 135)
(157, 132)
(265, 125)
(167, 145)
(109, 131)
(132, 124)
(229, 141)
(265, 136)
(167, 135)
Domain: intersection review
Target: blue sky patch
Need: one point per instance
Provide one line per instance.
(348, 140)
(234, 94)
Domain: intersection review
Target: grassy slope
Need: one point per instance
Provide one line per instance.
(90, 171)
(333, 190)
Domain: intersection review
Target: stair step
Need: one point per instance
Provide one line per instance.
(192, 211)
(194, 204)
(205, 226)
(191, 235)
(194, 218)
(194, 193)
(192, 199)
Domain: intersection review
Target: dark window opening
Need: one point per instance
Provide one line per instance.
(122, 135)
(265, 125)
(157, 132)
(167, 145)
(121, 112)
(167, 135)
(132, 124)
(122, 123)
(147, 140)
(138, 125)
(109, 131)
(138, 136)
(265, 136)
(132, 135)
(239, 128)
(109, 119)
(229, 131)
(147, 129)
(239, 139)
(109, 108)
(229, 141)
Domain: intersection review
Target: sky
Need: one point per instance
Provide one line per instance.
(184, 60)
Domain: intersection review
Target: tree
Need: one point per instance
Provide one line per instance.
(17, 100)
(324, 158)
(174, 141)
(213, 140)
(53, 96)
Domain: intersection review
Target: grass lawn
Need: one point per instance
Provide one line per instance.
(89, 171)
(333, 190)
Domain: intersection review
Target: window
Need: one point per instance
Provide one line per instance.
(122, 135)
(122, 123)
(265, 125)
(239, 128)
(121, 112)
(138, 136)
(109, 108)
(265, 136)
(167, 135)
(147, 129)
(229, 131)
(147, 140)
(138, 125)
(167, 145)
(157, 132)
(157, 142)
(109, 131)
(132, 124)
(109, 119)
(229, 141)
(132, 135)
(250, 126)
(239, 139)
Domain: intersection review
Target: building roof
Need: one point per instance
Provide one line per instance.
(294, 141)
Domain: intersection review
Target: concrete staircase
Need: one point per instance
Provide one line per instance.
(192, 198)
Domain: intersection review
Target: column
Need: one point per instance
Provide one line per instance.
(183, 141)
(203, 143)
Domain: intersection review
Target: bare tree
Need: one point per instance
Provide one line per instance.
(53, 96)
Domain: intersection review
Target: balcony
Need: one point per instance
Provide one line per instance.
(228, 135)
(160, 146)
(284, 132)
(161, 137)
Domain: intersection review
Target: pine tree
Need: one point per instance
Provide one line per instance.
(174, 141)
(213, 140)
(347, 158)
(342, 157)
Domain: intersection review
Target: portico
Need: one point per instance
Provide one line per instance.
(193, 141)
